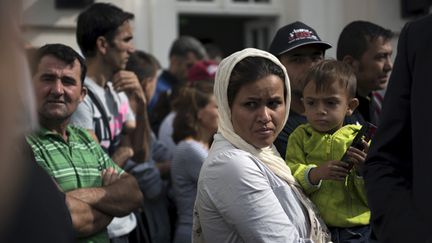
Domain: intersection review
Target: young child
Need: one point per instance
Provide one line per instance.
(316, 148)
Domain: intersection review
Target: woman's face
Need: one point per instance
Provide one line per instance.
(258, 111)
(208, 116)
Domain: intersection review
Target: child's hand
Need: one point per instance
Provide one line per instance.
(357, 157)
(331, 170)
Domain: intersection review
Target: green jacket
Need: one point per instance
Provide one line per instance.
(341, 203)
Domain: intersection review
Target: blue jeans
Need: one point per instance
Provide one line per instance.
(358, 234)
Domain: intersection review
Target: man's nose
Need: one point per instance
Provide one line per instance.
(388, 65)
(57, 87)
(131, 48)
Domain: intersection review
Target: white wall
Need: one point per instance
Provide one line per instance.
(156, 23)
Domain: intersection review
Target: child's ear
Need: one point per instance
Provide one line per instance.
(352, 105)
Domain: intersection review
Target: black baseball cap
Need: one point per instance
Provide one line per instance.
(294, 35)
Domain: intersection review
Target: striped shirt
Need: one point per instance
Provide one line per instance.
(76, 163)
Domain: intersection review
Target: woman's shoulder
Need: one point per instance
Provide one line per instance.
(190, 148)
(229, 164)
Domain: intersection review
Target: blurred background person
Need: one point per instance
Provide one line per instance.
(185, 51)
(32, 209)
(201, 71)
(154, 219)
(195, 124)
(214, 52)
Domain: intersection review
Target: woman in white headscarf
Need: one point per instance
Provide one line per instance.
(246, 192)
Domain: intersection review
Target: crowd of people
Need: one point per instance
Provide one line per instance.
(256, 146)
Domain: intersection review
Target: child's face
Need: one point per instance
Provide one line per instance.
(326, 109)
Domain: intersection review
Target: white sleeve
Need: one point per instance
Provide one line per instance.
(83, 116)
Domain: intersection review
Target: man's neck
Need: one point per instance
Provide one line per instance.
(55, 126)
(98, 72)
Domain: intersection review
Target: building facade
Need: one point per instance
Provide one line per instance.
(231, 24)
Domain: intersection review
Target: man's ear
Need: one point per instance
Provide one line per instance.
(350, 60)
(83, 93)
(102, 44)
(352, 105)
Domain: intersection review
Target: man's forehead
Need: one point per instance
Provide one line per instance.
(125, 29)
(50, 60)
(50, 63)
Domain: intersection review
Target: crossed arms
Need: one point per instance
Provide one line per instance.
(92, 209)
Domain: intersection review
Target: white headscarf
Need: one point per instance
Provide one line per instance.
(268, 155)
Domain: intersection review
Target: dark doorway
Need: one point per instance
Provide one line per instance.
(227, 32)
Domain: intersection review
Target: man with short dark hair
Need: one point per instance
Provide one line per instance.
(114, 110)
(96, 188)
(104, 34)
(367, 48)
(298, 47)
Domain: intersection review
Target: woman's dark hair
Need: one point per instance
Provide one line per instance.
(187, 104)
(250, 70)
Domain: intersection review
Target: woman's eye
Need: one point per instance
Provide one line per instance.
(274, 104)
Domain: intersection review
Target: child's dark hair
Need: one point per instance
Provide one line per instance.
(329, 71)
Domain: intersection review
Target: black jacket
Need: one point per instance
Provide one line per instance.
(398, 170)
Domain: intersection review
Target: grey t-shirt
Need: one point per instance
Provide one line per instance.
(188, 158)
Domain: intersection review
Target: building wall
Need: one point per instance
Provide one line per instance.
(328, 17)
(156, 23)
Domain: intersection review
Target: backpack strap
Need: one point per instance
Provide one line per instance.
(105, 120)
